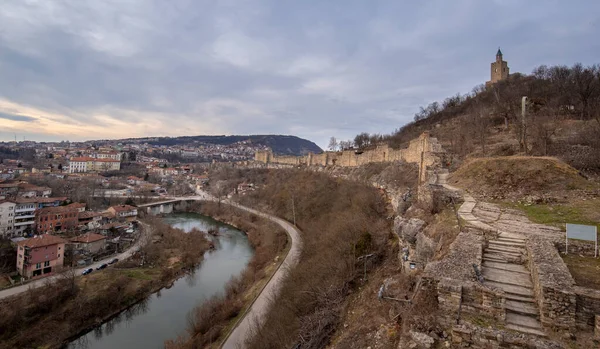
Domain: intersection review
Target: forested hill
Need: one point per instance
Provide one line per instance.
(280, 144)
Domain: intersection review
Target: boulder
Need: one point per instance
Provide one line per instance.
(407, 229)
(423, 340)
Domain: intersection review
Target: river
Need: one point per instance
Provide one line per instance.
(164, 314)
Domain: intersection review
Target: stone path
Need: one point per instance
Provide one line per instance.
(503, 268)
(504, 258)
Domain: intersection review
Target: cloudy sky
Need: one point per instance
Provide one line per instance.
(89, 69)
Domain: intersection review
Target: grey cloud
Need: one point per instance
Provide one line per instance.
(14, 117)
(255, 66)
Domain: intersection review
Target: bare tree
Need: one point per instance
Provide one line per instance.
(333, 144)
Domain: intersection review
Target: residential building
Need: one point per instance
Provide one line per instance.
(89, 164)
(7, 217)
(91, 219)
(8, 189)
(89, 242)
(40, 255)
(24, 221)
(27, 190)
(80, 164)
(114, 155)
(123, 211)
(51, 219)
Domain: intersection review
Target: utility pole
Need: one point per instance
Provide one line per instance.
(524, 123)
(294, 209)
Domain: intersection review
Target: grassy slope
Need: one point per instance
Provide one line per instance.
(518, 176)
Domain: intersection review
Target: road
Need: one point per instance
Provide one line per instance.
(255, 316)
(258, 310)
(43, 281)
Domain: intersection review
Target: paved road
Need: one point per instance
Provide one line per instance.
(43, 281)
(255, 315)
(260, 307)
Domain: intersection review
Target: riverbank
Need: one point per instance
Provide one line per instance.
(73, 305)
(211, 322)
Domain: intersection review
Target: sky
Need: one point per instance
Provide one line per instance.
(86, 69)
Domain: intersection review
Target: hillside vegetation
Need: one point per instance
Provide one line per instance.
(563, 118)
(340, 221)
(515, 177)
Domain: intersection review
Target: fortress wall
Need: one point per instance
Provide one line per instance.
(288, 160)
(424, 150)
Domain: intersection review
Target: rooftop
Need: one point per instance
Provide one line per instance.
(41, 241)
(88, 237)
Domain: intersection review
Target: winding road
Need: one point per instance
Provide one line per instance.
(255, 315)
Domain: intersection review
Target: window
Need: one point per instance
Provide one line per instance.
(58, 255)
(38, 266)
(46, 263)
(59, 248)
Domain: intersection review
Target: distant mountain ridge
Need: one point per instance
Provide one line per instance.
(280, 144)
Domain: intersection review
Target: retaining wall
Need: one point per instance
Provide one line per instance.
(552, 284)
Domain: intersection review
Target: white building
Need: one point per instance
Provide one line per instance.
(77, 165)
(109, 155)
(89, 164)
(7, 217)
(24, 217)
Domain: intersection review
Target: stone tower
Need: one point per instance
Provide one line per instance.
(499, 69)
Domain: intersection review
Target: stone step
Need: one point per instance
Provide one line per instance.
(522, 308)
(496, 246)
(509, 239)
(511, 236)
(510, 296)
(527, 330)
(512, 289)
(507, 277)
(493, 258)
(506, 266)
(493, 249)
(508, 243)
(524, 323)
(497, 256)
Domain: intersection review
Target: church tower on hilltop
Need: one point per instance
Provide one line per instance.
(499, 69)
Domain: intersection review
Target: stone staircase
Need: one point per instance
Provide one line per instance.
(504, 268)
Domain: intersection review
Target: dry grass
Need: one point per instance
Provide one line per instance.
(585, 270)
(518, 176)
(335, 217)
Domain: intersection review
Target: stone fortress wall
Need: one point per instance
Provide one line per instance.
(425, 150)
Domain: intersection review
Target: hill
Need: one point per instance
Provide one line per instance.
(515, 177)
(280, 144)
(562, 118)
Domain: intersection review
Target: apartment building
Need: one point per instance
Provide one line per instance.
(40, 255)
(51, 219)
(89, 164)
(7, 217)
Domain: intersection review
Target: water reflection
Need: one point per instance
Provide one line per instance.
(164, 315)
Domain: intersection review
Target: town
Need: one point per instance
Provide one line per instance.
(73, 200)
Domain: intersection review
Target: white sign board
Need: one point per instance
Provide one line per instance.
(582, 232)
